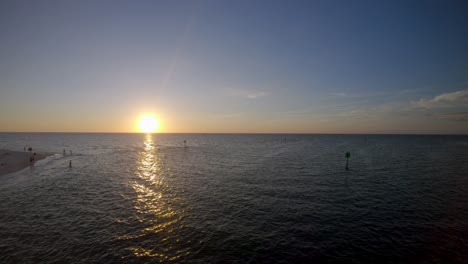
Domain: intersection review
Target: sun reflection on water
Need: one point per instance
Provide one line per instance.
(154, 205)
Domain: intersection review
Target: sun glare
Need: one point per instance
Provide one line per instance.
(148, 124)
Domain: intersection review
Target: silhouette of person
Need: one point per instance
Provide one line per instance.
(70, 164)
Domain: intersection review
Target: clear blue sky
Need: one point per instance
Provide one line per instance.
(235, 66)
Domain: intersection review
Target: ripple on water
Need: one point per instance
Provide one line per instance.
(240, 199)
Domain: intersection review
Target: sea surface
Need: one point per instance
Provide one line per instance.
(236, 198)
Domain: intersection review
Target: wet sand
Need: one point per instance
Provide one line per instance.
(11, 161)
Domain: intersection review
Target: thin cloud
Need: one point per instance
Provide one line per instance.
(339, 94)
(456, 116)
(228, 115)
(348, 95)
(248, 94)
(458, 98)
(254, 95)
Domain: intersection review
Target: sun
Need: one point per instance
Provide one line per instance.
(148, 124)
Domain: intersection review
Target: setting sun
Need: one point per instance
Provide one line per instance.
(148, 124)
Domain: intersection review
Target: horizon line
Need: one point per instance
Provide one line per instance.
(242, 133)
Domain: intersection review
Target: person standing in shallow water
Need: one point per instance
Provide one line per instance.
(31, 161)
(70, 164)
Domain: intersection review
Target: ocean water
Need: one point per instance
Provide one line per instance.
(136, 198)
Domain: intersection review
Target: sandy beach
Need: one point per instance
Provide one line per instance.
(11, 161)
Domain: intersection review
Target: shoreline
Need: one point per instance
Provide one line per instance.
(13, 161)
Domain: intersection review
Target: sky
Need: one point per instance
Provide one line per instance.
(218, 66)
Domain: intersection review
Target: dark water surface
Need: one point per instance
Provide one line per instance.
(134, 198)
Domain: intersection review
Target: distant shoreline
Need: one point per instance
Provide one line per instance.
(12, 161)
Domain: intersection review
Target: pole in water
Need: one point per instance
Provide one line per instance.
(347, 157)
